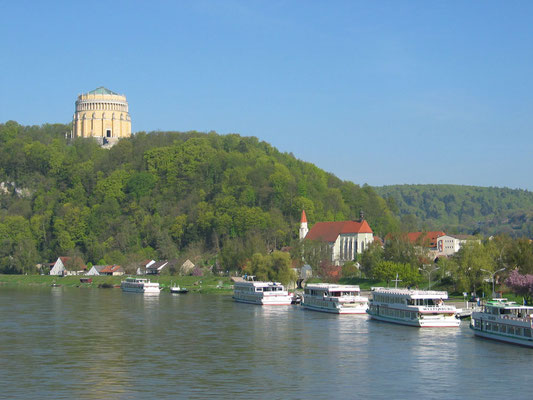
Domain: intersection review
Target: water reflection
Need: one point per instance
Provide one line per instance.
(74, 343)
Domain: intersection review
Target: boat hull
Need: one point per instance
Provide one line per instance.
(149, 290)
(179, 291)
(341, 310)
(503, 338)
(419, 323)
(264, 302)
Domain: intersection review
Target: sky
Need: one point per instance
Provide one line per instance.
(376, 92)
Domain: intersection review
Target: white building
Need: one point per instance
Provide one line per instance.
(448, 245)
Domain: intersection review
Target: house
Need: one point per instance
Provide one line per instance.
(156, 267)
(448, 245)
(141, 270)
(95, 270)
(346, 239)
(68, 266)
(111, 270)
(187, 267)
(425, 239)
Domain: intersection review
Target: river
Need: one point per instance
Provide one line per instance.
(67, 343)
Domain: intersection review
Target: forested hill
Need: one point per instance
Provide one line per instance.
(462, 209)
(161, 195)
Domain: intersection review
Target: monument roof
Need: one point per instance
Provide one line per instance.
(102, 90)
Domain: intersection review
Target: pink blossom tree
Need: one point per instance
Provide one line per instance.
(520, 284)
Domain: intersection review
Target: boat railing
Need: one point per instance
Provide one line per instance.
(515, 318)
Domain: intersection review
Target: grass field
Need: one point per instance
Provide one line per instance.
(197, 284)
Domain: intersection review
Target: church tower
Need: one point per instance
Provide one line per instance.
(303, 226)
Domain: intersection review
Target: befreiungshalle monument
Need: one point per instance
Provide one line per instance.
(102, 115)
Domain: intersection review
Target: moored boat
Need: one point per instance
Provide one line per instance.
(420, 308)
(505, 321)
(262, 293)
(139, 285)
(332, 298)
(178, 289)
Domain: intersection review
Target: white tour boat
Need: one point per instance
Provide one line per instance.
(263, 293)
(337, 299)
(139, 285)
(421, 308)
(504, 320)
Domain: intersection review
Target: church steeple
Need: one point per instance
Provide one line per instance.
(303, 226)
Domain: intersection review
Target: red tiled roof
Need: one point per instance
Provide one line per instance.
(109, 269)
(304, 217)
(329, 231)
(429, 237)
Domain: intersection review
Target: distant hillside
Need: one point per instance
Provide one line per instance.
(462, 209)
(160, 195)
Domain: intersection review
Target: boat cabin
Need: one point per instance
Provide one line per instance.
(328, 290)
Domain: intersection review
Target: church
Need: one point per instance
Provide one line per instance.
(345, 238)
(102, 115)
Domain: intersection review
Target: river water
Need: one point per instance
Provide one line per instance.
(68, 343)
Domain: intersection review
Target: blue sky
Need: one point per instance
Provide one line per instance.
(377, 92)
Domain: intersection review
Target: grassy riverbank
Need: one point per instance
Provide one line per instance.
(220, 285)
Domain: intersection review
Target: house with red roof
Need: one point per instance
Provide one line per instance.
(345, 238)
(425, 239)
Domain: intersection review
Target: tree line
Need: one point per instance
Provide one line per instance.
(161, 195)
(462, 209)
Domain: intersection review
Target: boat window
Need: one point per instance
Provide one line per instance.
(527, 332)
(258, 289)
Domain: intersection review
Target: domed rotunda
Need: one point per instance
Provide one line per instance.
(103, 115)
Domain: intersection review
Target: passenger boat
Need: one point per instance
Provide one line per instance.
(337, 299)
(262, 293)
(504, 320)
(420, 308)
(139, 285)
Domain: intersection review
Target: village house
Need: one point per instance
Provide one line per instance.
(187, 267)
(67, 266)
(141, 270)
(425, 239)
(111, 270)
(346, 239)
(156, 268)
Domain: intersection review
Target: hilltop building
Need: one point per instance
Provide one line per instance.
(345, 238)
(103, 115)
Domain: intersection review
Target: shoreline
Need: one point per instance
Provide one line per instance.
(195, 284)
